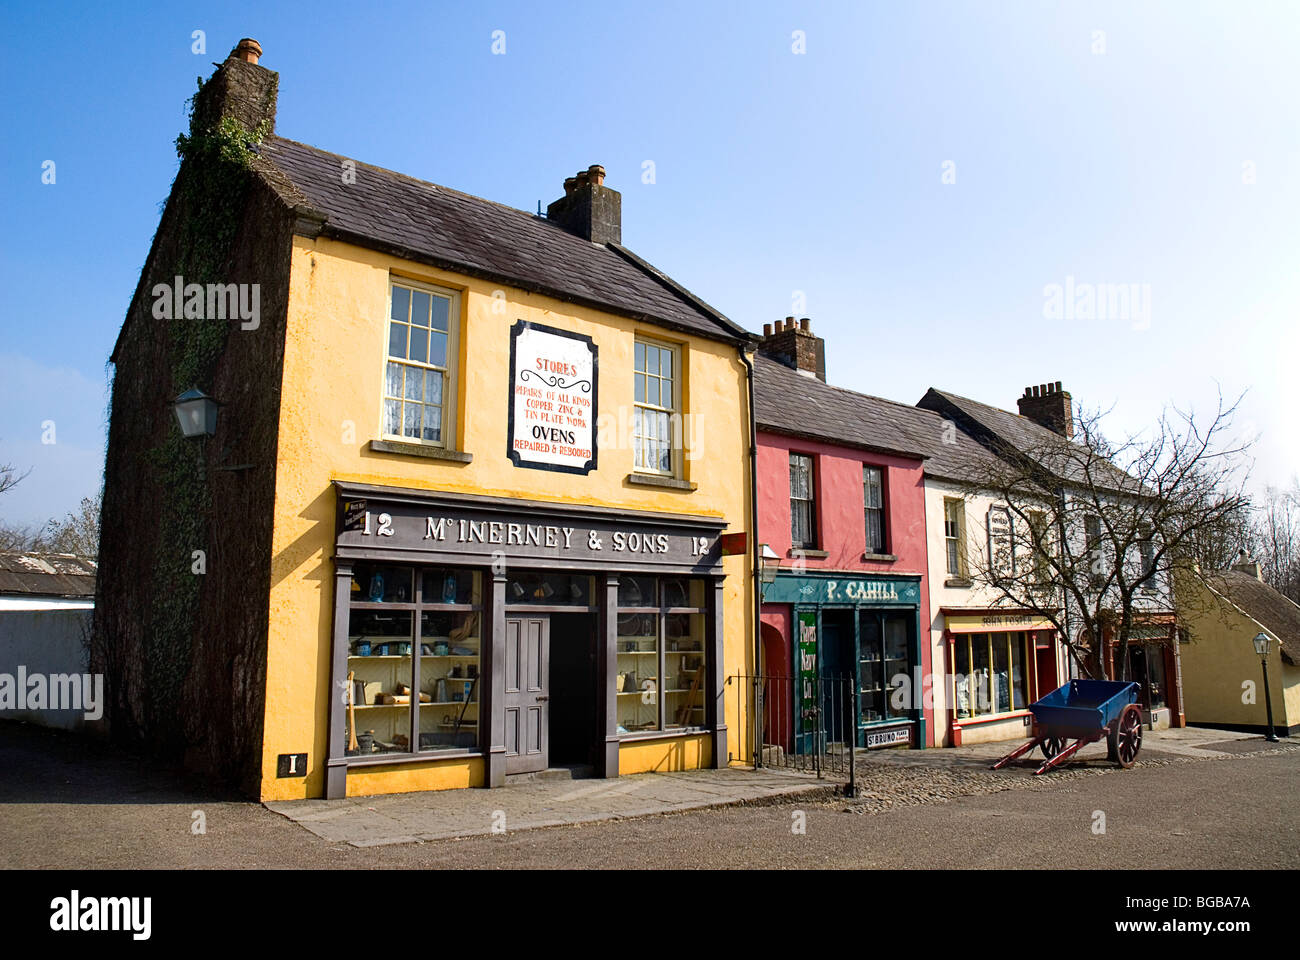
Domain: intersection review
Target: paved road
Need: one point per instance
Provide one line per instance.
(65, 803)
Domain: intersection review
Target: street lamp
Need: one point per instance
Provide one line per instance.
(769, 566)
(197, 414)
(1261, 647)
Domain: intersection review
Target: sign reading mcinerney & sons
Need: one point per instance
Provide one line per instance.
(462, 528)
(552, 399)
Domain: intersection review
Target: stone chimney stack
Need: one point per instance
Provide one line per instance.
(241, 89)
(1049, 406)
(795, 346)
(588, 208)
(1248, 566)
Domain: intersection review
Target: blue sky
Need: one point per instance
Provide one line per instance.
(1114, 158)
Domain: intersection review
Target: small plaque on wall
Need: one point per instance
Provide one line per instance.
(552, 399)
(291, 765)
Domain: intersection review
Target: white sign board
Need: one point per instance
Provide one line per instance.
(888, 738)
(552, 399)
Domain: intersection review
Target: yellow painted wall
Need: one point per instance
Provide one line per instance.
(678, 753)
(1220, 658)
(330, 410)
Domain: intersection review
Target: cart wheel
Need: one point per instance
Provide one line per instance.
(1125, 738)
(1052, 746)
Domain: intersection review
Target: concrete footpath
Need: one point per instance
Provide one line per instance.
(886, 779)
(447, 814)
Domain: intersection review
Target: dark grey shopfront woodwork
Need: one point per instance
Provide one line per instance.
(527, 696)
(501, 537)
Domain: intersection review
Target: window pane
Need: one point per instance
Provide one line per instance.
(640, 357)
(432, 386)
(1018, 677)
(419, 308)
(441, 306)
(401, 303)
(379, 658)
(1001, 672)
(636, 591)
(397, 340)
(448, 585)
(652, 390)
(666, 364)
(438, 349)
(640, 387)
(651, 359)
(411, 419)
(419, 344)
(684, 678)
(871, 676)
(450, 648)
(636, 682)
(392, 416)
(979, 644)
(432, 423)
(393, 379)
(961, 669)
(413, 381)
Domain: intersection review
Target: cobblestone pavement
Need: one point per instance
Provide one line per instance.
(898, 778)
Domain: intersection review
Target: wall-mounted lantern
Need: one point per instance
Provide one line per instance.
(197, 414)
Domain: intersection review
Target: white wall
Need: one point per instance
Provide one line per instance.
(47, 642)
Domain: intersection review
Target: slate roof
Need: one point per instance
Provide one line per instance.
(1264, 605)
(46, 575)
(992, 424)
(794, 404)
(427, 223)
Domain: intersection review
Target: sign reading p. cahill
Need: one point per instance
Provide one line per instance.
(552, 399)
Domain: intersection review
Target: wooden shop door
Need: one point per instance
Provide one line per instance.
(528, 653)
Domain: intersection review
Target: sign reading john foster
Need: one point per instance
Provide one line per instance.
(552, 399)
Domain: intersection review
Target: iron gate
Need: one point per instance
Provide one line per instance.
(800, 723)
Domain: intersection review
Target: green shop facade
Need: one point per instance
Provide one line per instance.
(844, 657)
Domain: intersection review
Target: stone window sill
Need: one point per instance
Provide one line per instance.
(420, 450)
(808, 554)
(668, 483)
(960, 582)
(880, 557)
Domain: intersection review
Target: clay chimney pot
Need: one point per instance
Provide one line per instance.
(248, 50)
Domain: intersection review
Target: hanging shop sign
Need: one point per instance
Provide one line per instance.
(552, 399)
(520, 531)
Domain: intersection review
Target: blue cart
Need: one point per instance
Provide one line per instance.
(1085, 711)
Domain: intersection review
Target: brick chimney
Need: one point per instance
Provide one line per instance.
(1248, 566)
(589, 208)
(795, 346)
(1049, 406)
(241, 89)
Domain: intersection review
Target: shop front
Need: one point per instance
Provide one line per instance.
(1151, 659)
(488, 637)
(847, 636)
(999, 662)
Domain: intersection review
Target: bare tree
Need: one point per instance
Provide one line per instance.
(1091, 531)
(77, 532)
(1275, 542)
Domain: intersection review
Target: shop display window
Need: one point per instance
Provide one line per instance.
(660, 649)
(395, 612)
(884, 653)
(550, 589)
(989, 674)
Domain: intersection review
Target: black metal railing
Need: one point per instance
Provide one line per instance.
(798, 723)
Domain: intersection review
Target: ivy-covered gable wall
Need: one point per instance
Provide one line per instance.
(181, 615)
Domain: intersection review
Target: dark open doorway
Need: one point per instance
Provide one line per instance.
(838, 663)
(574, 702)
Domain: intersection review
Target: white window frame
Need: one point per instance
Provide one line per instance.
(674, 414)
(450, 373)
(883, 547)
(959, 508)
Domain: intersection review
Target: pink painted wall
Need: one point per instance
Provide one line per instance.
(841, 527)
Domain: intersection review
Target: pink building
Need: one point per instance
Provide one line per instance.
(841, 502)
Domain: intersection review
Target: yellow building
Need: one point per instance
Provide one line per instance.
(505, 452)
(1223, 676)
